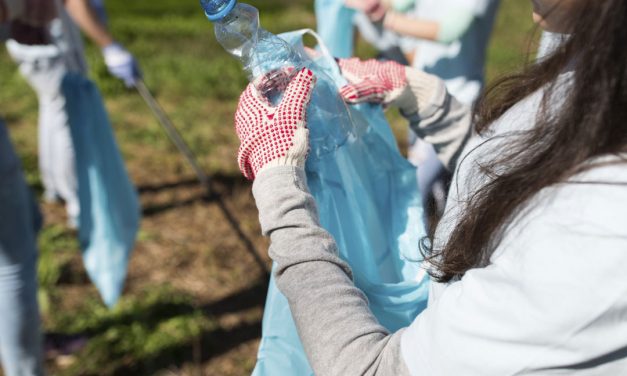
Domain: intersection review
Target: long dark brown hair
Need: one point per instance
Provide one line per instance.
(592, 121)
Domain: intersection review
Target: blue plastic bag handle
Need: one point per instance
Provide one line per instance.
(324, 50)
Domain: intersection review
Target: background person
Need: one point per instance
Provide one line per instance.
(446, 38)
(44, 67)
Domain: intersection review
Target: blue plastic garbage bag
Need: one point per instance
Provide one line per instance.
(335, 26)
(110, 211)
(367, 198)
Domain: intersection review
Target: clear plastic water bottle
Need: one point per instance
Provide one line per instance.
(263, 54)
(260, 52)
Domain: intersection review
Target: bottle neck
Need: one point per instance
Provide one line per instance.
(232, 16)
(259, 51)
(216, 10)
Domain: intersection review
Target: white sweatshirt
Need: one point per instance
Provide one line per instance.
(554, 299)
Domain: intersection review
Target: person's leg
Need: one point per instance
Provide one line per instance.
(31, 59)
(62, 163)
(20, 338)
(45, 156)
(44, 68)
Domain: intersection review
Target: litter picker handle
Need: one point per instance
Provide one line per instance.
(172, 132)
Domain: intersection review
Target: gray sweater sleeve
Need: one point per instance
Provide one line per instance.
(338, 331)
(437, 117)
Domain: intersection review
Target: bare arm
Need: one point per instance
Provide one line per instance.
(120, 62)
(446, 30)
(411, 27)
(85, 17)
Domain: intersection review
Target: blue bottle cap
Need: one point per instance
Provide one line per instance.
(216, 10)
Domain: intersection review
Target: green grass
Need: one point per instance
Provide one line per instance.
(158, 325)
(144, 333)
(513, 38)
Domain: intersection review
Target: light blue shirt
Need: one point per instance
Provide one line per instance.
(459, 63)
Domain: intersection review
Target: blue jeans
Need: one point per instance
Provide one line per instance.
(20, 338)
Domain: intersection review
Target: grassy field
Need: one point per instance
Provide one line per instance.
(194, 297)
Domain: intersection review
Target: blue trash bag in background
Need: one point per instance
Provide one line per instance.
(367, 198)
(109, 207)
(335, 26)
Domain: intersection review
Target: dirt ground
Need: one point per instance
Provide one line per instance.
(207, 247)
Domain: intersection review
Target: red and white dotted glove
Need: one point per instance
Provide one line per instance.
(372, 80)
(274, 135)
(388, 83)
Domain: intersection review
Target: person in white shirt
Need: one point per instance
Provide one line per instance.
(529, 260)
(446, 38)
(44, 67)
(449, 39)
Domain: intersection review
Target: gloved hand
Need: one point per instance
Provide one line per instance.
(274, 136)
(121, 64)
(388, 83)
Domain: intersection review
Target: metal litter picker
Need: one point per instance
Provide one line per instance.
(172, 132)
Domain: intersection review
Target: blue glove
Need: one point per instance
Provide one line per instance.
(121, 64)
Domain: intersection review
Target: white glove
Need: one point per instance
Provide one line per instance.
(121, 64)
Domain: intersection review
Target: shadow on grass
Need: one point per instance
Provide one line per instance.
(154, 188)
(208, 345)
(152, 210)
(220, 187)
(159, 328)
(163, 329)
(161, 310)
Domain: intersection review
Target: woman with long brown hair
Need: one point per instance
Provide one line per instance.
(531, 254)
